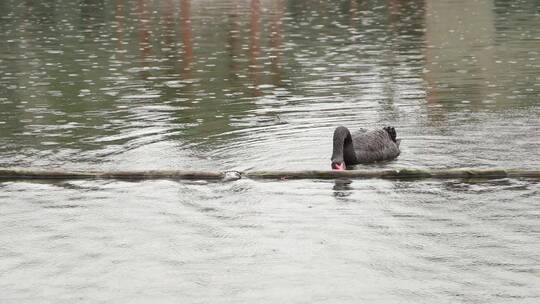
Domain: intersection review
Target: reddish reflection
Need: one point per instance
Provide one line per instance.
(276, 41)
(393, 7)
(431, 96)
(187, 37)
(144, 32)
(354, 13)
(119, 17)
(145, 47)
(234, 41)
(255, 44)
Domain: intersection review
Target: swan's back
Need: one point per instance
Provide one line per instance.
(376, 145)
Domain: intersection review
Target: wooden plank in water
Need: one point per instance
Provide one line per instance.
(403, 173)
(134, 175)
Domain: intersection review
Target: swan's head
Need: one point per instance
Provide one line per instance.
(342, 137)
(339, 166)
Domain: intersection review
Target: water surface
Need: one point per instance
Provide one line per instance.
(299, 241)
(253, 85)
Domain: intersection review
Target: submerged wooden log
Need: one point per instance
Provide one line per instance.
(133, 175)
(322, 174)
(404, 173)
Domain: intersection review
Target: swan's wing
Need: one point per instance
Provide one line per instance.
(360, 131)
(375, 146)
(375, 140)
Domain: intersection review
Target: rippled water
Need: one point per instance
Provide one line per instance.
(217, 85)
(303, 242)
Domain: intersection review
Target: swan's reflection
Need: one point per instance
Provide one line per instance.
(342, 187)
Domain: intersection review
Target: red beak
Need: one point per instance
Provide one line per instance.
(338, 166)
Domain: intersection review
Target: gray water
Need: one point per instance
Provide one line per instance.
(253, 85)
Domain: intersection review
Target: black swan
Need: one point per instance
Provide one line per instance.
(363, 146)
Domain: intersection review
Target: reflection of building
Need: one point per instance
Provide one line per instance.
(476, 50)
(458, 39)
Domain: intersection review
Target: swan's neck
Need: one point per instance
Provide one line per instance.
(343, 146)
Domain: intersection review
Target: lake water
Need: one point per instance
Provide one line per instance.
(254, 85)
